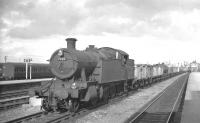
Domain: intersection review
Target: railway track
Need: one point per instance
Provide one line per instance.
(13, 99)
(56, 117)
(13, 102)
(26, 118)
(8, 95)
(163, 108)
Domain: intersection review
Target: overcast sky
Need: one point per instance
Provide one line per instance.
(150, 31)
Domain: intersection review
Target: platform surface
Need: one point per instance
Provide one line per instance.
(191, 107)
(24, 81)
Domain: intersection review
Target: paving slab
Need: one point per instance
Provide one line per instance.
(191, 107)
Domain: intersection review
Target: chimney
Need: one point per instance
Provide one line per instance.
(71, 43)
(91, 46)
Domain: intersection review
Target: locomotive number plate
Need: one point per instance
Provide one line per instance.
(62, 59)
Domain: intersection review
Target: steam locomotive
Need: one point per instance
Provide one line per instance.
(89, 76)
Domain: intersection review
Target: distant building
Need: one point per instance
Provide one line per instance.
(194, 66)
(184, 68)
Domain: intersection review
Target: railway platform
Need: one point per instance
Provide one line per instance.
(191, 107)
(14, 86)
(11, 82)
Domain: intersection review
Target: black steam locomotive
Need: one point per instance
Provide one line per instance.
(90, 76)
(86, 76)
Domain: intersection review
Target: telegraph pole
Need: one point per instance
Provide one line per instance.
(5, 58)
(28, 60)
(30, 71)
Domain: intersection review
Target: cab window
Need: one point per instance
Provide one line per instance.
(124, 59)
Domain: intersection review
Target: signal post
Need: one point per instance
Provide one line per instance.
(28, 60)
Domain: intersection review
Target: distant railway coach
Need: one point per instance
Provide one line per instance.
(1, 71)
(13, 71)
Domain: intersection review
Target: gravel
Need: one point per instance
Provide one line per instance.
(121, 111)
(21, 111)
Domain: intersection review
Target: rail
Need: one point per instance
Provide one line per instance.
(159, 116)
